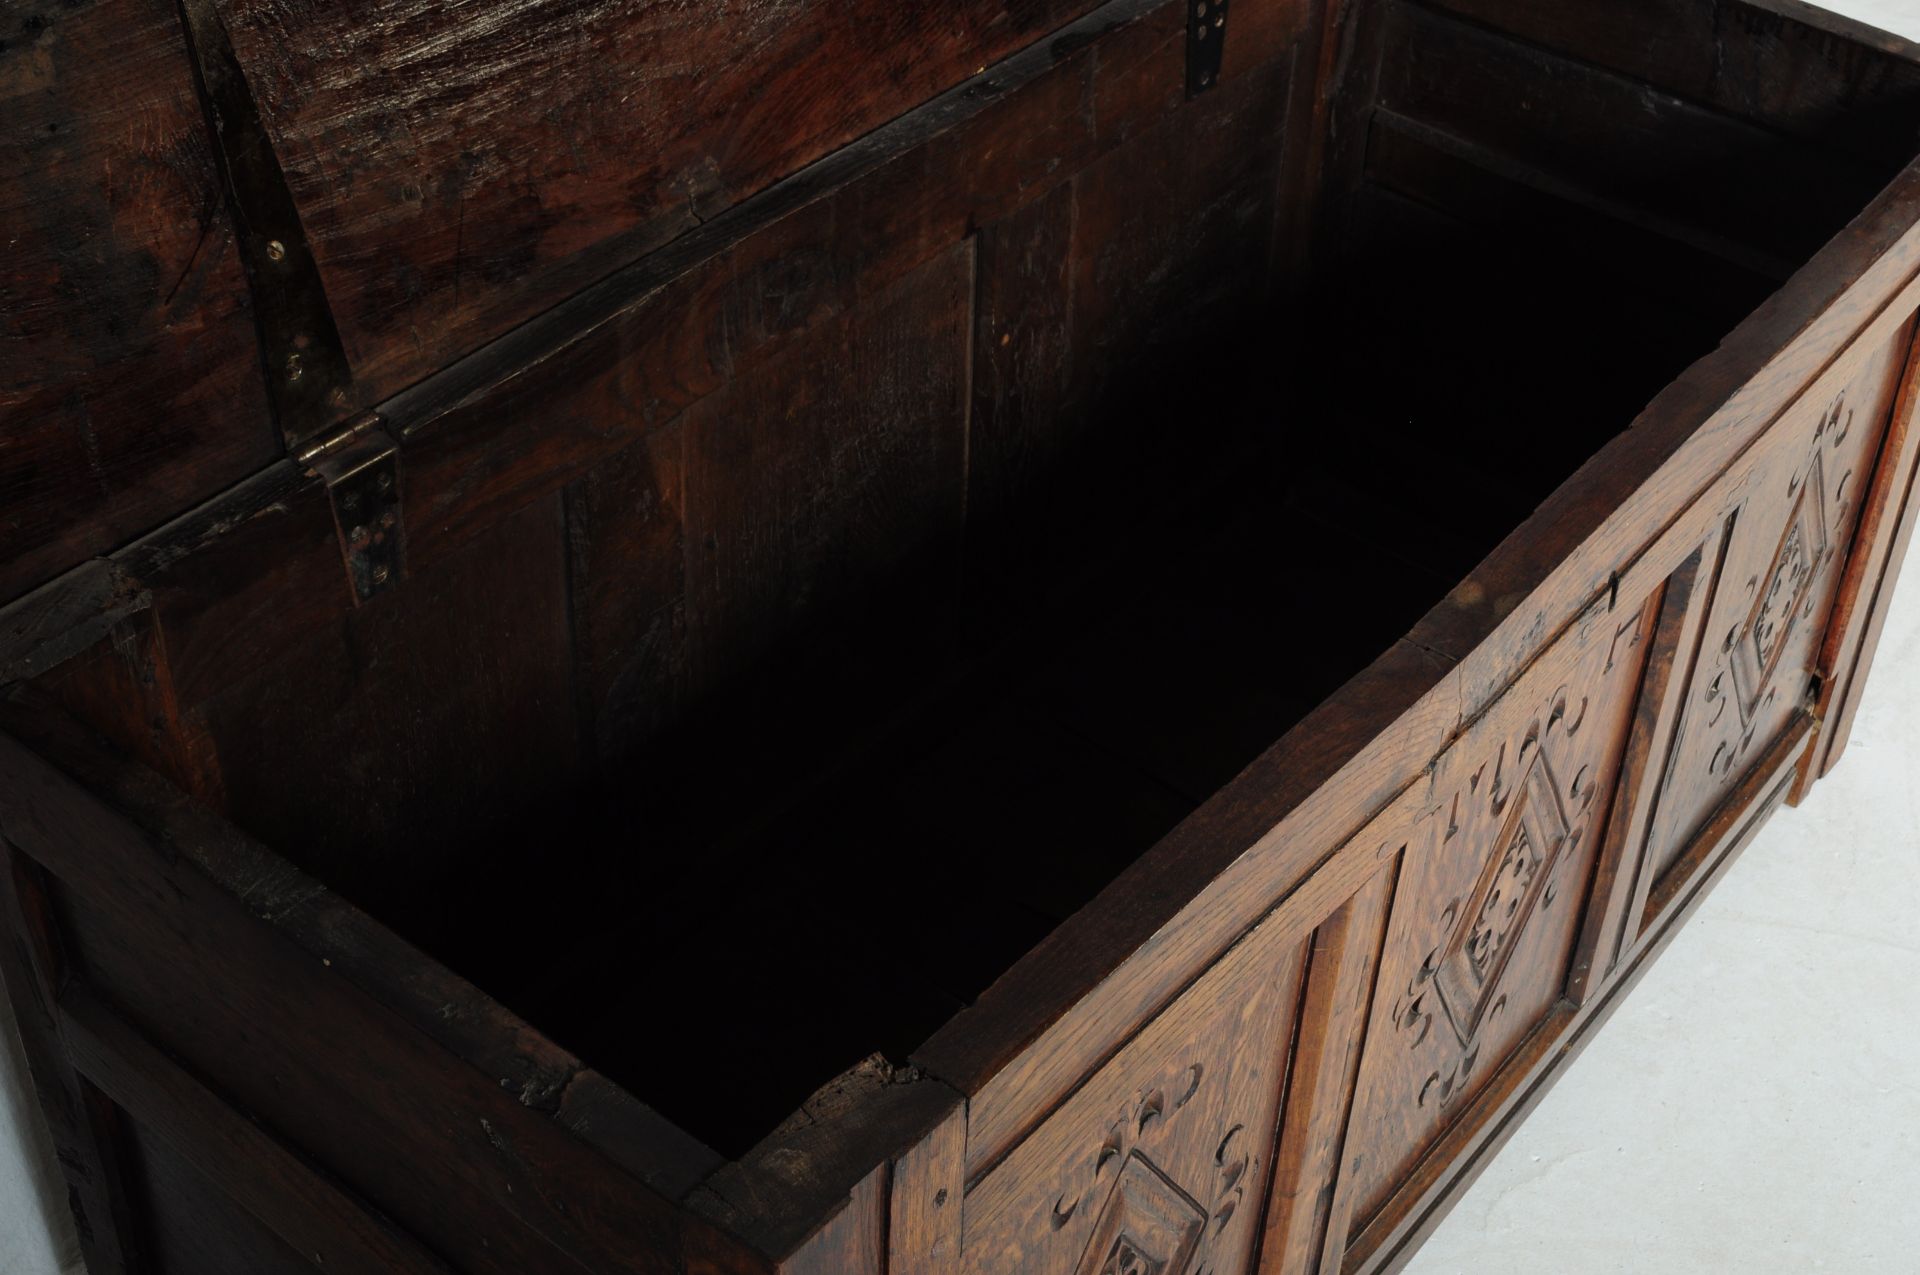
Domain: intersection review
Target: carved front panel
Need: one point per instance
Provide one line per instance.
(1496, 852)
(1785, 545)
(1157, 1165)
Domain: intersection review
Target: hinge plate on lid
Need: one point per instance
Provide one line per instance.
(1206, 42)
(361, 468)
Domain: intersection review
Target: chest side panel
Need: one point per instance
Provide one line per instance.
(1784, 546)
(1495, 860)
(1158, 1164)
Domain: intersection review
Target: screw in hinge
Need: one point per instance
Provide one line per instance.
(1206, 34)
(276, 251)
(295, 367)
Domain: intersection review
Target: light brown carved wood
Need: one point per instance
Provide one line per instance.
(1495, 858)
(1786, 538)
(1333, 1020)
(1159, 1163)
(1880, 543)
(1457, 1159)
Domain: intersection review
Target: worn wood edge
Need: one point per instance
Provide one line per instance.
(926, 1207)
(429, 998)
(1025, 1018)
(315, 1216)
(1495, 623)
(1389, 1240)
(1838, 24)
(798, 1179)
(66, 615)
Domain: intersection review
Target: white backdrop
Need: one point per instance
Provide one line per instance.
(1645, 1158)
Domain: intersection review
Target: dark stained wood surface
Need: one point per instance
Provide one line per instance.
(307, 1212)
(825, 577)
(88, 1131)
(1634, 145)
(459, 170)
(195, 1226)
(129, 383)
(1788, 66)
(403, 718)
(285, 1038)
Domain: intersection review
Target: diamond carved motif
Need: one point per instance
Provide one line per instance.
(1782, 594)
(1148, 1227)
(1476, 954)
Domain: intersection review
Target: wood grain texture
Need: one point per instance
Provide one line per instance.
(817, 1190)
(1300, 1221)
(310, 1214)
(290, 1041)
(401, 716)
(1495, 860)
(627, 573)
(703, 448)
(926, 1208)
(492, 434)
(840, 466)
(460, 170)
(431, 999)
(123, 687)
(129, 378)
(1458, 1159)
(195, 1226)
(1674, 644)
(1879, 547)
(1786, 545)
(1166, 1151)
(828, 479)
(1135, 945)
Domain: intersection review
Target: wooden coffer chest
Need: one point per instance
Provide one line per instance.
(845, 637)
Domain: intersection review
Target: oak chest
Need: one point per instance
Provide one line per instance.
(839, 638)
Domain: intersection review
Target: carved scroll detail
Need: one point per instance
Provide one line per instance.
(1538, 822)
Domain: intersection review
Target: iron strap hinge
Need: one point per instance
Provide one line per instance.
(360, 464)
(1206, 42)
